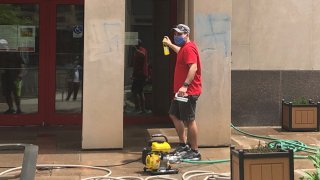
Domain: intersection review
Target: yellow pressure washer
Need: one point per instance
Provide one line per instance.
(156, 157)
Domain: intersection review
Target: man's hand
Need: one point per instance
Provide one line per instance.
(138, 51)
(166, 41)
(183, 91)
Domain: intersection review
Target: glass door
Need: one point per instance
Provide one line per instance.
(41, 57)
(147, 72)
(66, 65)
(19, 58)
(69, 58)
(19, 63)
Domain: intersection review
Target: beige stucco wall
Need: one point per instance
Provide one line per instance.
(104, 74)
(211, 25)
(275, 35)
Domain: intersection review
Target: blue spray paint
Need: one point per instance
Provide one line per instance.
(213, 31)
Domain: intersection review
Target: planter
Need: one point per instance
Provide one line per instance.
(300, 117)
(259, 166)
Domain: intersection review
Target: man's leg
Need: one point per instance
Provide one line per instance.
(9, 102)
(193, 134)
(142, 101)
(135, 89)
(187, 111)
(76, 87)
(174, 114)
(193, 153)
(136, 101)
(17, 95)
(179, 126)
(70, 90)
(18, 104)
(7, 92)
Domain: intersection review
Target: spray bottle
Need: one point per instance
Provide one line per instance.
(165, 48)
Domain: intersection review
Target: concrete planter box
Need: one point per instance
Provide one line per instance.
(300, 117)
(258, 166)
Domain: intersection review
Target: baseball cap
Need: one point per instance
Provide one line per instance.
(3, 41)
(3, 44)
(182, 28)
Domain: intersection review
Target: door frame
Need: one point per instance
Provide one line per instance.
(52, 117)
(46, 114)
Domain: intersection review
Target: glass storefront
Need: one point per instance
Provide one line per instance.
(41, 62)
(19, 58)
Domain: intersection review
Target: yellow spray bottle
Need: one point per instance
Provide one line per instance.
(166, 50)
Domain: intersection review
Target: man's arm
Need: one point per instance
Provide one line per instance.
(191, 73)
(142, 53)
(167, 41)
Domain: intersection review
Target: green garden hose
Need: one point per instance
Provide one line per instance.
(206, 161)
(283, 144)
(274, 143)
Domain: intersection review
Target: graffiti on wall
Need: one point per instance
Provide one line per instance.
(105, 39)
(213, 32)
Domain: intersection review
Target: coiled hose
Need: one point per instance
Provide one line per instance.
(274, 143)
(283, 144)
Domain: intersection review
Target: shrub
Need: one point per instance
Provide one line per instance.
(300, 101)
(316, 163)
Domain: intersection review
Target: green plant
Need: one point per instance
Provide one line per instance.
(262, 148)
(11, 14)
(316, 163)
(300, 101)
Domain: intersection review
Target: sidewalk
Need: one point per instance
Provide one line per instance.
(62, 145)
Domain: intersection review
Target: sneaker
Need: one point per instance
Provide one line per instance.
(181, 149)
(10, 111)
(19, 111)
(145, 111)
(192, 155)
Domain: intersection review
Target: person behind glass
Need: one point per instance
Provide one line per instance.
(139, 76)
(11, 79)
(187, 83)
(74, 80)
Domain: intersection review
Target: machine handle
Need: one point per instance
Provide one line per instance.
(180, 98)
(160, 135)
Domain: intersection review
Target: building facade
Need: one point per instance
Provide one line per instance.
(75, 62)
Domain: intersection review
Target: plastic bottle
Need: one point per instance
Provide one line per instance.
(166, 50)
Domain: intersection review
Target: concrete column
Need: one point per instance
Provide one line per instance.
(103, 74)
(210, 22)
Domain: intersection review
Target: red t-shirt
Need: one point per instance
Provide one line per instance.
(140, 64)
(188, 54)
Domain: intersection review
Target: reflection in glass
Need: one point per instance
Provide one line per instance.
(139, 88)
(139, 53)
(19, 58)
(69, 58)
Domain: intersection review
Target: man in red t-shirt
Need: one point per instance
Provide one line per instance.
(187, 83)
(139, 76)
